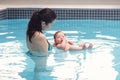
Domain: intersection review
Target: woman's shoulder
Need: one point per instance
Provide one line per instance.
(39, 35)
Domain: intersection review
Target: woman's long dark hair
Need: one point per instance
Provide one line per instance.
(47, 15)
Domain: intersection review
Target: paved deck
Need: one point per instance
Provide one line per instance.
(61, 6)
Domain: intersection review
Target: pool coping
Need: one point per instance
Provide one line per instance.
(78, 5)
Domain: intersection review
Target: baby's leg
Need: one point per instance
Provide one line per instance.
(82, 45)
(72, 47)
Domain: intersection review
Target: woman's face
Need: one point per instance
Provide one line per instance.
(59, 37)
(45, 27)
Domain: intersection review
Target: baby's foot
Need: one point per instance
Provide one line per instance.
(88, 46)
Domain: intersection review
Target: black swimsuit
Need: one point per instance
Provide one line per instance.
(49, 46)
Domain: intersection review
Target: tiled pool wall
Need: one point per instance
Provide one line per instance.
(3, 14)
(63, 13)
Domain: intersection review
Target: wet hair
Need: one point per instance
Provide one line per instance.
(47, 15)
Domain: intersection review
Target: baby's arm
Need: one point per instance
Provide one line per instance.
(65, 48)
(59, 46)
(70, 42)
(62, 45)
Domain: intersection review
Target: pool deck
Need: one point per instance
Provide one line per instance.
(62, 6)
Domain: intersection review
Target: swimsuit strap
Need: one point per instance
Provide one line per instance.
(49, 46)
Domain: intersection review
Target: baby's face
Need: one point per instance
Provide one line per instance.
(59, 37)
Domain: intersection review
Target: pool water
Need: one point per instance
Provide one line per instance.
(102, 62)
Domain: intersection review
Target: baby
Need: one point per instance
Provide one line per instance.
(61, 42)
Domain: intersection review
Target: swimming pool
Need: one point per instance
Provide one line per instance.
(102, 62)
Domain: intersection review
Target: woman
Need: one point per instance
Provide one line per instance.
(36, 41)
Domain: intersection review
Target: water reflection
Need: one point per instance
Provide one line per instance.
(12, 61)
(100, 63)
(116, 60)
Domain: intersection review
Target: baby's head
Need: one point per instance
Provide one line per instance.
(58, 37)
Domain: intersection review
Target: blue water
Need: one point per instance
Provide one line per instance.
(102, 62)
